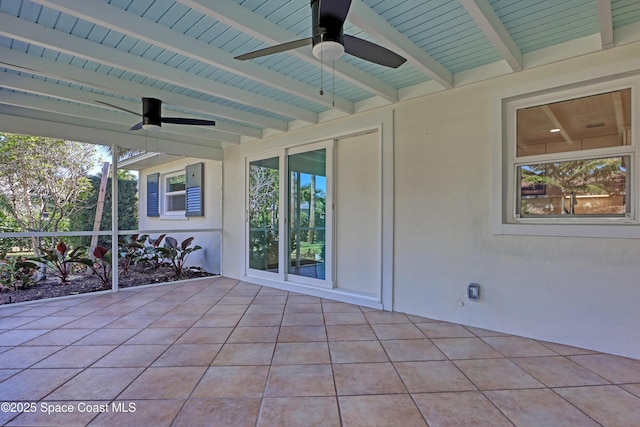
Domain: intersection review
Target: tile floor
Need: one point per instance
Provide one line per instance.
(220, 352)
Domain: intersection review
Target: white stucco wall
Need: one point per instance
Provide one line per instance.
(209, 257)
(573, 290)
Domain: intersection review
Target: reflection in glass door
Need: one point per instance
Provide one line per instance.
(264, 176)
(307, 188)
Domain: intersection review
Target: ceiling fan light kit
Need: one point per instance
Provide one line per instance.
(328, 41)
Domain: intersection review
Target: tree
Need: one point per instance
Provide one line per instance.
(42, 180)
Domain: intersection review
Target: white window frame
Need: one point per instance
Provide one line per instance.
(507, 222)
(165, 195)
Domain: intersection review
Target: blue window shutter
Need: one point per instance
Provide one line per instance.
(153, 196)
(195, 190)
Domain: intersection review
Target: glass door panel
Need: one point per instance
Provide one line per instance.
(263, 206)
(307, 198)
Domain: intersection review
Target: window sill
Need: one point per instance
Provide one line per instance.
(174, 217)
(627, 230)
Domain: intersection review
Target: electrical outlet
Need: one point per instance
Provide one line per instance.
(473, 291)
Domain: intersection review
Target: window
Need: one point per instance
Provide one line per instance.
(570, 158)
(176, 194)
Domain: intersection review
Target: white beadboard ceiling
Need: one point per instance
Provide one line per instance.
(58, 57)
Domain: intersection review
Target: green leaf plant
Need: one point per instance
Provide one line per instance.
(177, 254)
(16, 272)
(61, 259)
(102, 265)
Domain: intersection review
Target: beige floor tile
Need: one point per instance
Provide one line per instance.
(235, 300)
(49, 413)
(96, 384)
(299, 411)
(164, 383)
(558, 371)
(157, 413)
(265, 309)
(90, 321)
(260, 320)
(299, 319)
(339, 307)
(609, 405)
(60, 337)
(378, 317)
(247, 334)
(33, 384)
(108, 336)
(616, 369)
(218, 320)
(432, 376)
(357, 352)
(300, 308)
(219, 412)
(131, 356)
(177, 321)
(25, 356)
(518, 347)
(367, 378)
(49, 322)
(412, 350)
(17, 337)
(497, 374)
(245, 354)
(188, 355)
(540, 407)
(397, 331)
(632, 388)
(205, 336)
(355, 318)
(300, 380)
(443, 330)
(301, 353)
(16, 321)
(566, 350)
(465, 409)
(232, 381)
(305, 333)
(190, 308)
(350, 333)
(6, 373)
(302, 299)
(382, 410)
(479, 332)
(265, 299)
(228, 309)
(75, 356)
(465, 348)
(157, 336)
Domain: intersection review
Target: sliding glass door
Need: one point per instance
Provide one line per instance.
(295, 204)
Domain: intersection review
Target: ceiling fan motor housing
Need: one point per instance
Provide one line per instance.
(151, 110)
(327, 35)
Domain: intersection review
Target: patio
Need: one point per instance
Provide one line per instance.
(220, 352)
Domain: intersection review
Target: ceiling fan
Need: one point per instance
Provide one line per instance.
(152, 117)
(328, 40)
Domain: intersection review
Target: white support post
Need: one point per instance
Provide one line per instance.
(114, 218)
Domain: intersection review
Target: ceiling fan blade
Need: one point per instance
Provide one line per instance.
(187, 121)
(137, 126)
(335, 10)
(119, 108)
(275, 49)
(372, 52)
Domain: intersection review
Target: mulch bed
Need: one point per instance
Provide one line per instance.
(84, 283)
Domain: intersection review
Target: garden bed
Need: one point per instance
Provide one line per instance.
(81, 283)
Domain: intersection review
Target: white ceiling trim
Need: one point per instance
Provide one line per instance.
(491, 25)
(113, 18)
(50, 68)
(29, 32)
(79, 97)
(242, 19)
(605, 20)
(37, 122)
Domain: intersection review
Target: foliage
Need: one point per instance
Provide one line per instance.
(61, 259)
(83, 219)
(590, 176)
(177, 254)
(102, 266)
(16, 271)
(151, 253)
(42, 180)
(131, 250)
